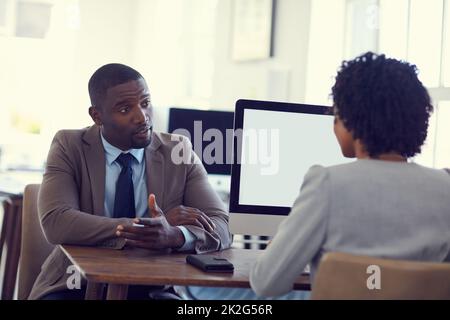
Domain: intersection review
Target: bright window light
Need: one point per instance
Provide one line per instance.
(326, 46)
(425, 38)
(362, 23)
(442, 152)
(446, 51)
(393, 32)
(426, 157)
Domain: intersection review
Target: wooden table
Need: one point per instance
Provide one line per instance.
(120, 268)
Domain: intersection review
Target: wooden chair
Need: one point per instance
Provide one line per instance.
(35, 248)
(346, 276)
(10, 244)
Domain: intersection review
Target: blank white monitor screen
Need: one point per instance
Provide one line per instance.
(278, 143)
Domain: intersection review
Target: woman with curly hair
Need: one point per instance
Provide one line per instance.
(380, 205)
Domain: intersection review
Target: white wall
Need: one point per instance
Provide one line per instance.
(103, 37)
(280, 78)
(156, 47)
(45, 80)
(157, 55)
(55, 71)
(162, 40)
(157, 37)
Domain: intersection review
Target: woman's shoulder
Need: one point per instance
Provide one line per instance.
(370, 170)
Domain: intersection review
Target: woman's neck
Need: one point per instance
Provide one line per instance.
(361, 153)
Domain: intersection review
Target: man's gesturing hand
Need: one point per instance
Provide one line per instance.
(155, 232)
(153, 208)
(182, 215)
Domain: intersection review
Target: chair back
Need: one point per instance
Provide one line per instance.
(346, 276)
(35, 248)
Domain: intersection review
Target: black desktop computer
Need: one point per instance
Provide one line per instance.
(211, 135)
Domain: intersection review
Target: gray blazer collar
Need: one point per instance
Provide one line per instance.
(95, 163)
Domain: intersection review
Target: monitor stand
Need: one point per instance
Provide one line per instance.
(253, 231)
(254, 224)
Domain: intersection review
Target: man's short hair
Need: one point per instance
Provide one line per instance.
(382, 102)
(108, 76)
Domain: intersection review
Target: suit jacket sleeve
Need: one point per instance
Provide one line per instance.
(199, 194)
(298, 239)
(59, 209)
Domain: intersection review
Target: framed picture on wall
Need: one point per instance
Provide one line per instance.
(252, 29)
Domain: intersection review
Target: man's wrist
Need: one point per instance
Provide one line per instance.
(178, 238)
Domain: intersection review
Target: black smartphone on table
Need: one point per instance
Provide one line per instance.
(210, 263)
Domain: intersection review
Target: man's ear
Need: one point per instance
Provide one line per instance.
(95, 115)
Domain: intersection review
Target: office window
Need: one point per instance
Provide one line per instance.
(393, 27)
(446, 46)
(3, 7)
(414, 30)
(199, 37)
(175, 47)
(425, 39)
(32, 19)
(36, 60)
(7, 10)
(427, 155)
(326, 47)
(361, 29)
(436, 150)
(442, 149)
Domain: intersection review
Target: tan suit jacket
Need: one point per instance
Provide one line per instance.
(71, 198)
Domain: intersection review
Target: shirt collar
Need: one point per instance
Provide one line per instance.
(112, 152)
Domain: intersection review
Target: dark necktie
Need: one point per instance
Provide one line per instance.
(124, 198)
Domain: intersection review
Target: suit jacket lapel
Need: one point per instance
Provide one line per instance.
(155, 170)
(95, 162)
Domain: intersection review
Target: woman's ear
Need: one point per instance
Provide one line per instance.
(344, 138)
(95, 115)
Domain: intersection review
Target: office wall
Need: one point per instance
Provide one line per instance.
(103, 37)
(280, 78)
(163, 39)
(156, 52)
(44, 80)
(51, 74)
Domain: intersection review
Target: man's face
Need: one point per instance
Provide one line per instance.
(125, 115)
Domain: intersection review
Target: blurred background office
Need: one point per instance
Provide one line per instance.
(204, 54)
(194, 54)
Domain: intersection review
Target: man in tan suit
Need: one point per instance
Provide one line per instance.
(172, 203)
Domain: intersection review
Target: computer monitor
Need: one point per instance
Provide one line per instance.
(274, 146)
(211, 134)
